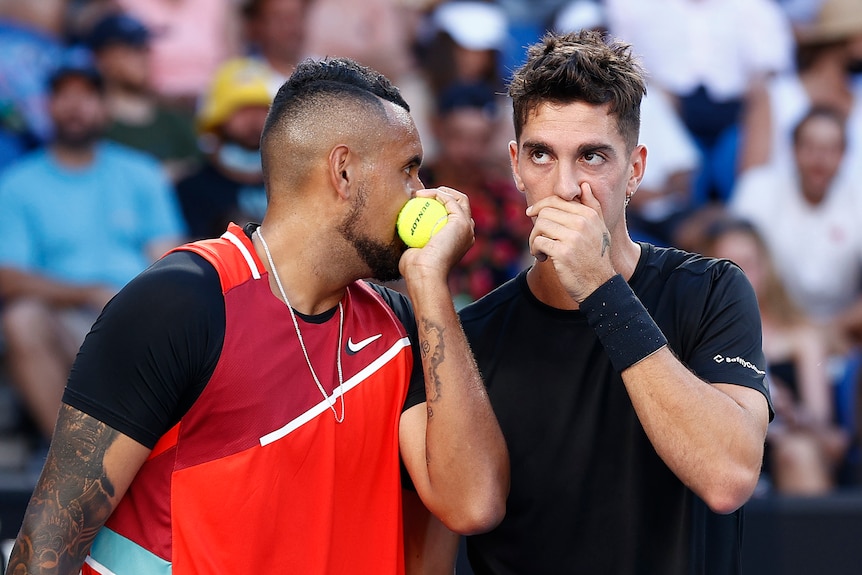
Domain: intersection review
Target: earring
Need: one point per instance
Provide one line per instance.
(628, 199)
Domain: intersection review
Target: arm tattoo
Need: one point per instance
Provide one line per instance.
(71, 501)
(606, 242)
(433, 354)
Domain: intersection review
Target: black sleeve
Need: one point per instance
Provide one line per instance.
(404, 311)
(152, 350)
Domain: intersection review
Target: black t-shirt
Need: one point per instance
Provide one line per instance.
(588, 492)
(153, 349)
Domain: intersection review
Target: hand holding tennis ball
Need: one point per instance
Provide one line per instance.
(419, 219)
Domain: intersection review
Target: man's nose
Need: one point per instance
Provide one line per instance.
(568, 185)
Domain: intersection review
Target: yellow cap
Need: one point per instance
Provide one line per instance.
(238, 83)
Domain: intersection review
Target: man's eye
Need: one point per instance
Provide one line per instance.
(593, 159)
(540, 157)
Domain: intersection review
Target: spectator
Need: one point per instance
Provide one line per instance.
(121, 44)
(371, 32)
(77, 221)
(228, 186)
(463, 44)
(382, 34)
(808, 211)
(464, 127)
(810, 221)
(805, 446)
(30, 44)
(707, 54)
(275, 31)
(829, 50)
(191, 39)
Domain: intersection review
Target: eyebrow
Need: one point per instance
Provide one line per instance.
(585, 148)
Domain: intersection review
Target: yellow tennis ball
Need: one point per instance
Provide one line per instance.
(419, 219)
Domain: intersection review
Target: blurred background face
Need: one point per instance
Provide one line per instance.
(741, 248)
(78, 111)
(464, 136)
(125, 66)
(818, 150)
(245, 126)
(474, 65)
(278, 27)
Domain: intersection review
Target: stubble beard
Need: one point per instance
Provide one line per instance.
(381, 258)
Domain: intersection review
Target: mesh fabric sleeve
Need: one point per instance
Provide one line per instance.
(154, 347)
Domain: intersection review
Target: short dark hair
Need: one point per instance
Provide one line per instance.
(586, 66)
(340, 77)
(319, 87)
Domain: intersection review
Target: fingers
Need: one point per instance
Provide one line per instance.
(589, 200)
(549, 229)
(460, 227)
(561, 224)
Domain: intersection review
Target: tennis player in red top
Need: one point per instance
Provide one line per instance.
(250, 404)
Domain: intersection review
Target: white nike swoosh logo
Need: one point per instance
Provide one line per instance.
(353, 347)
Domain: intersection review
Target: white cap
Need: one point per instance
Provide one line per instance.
(473, 25)
(580, 15)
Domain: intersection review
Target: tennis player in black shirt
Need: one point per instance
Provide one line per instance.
(628, 379)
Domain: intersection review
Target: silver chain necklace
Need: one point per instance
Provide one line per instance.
(340, 391)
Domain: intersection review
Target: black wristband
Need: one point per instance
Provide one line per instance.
(624, 326)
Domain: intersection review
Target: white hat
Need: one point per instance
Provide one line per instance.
(580, 15)
(473, 25)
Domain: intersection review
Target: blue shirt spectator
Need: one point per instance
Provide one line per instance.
(78, 220)
(91, 224)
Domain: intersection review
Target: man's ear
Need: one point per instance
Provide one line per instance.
(513, 160)
(638, 166)
(342, 165)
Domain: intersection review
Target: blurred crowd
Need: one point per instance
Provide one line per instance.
(128, 126)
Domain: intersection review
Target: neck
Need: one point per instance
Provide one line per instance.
(73, 156)
(814, 196)
(305, 286)
(131, 107)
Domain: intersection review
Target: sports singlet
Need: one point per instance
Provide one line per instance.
(257, 476)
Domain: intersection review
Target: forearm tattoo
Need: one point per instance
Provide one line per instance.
(433, 353)
(71, 501)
